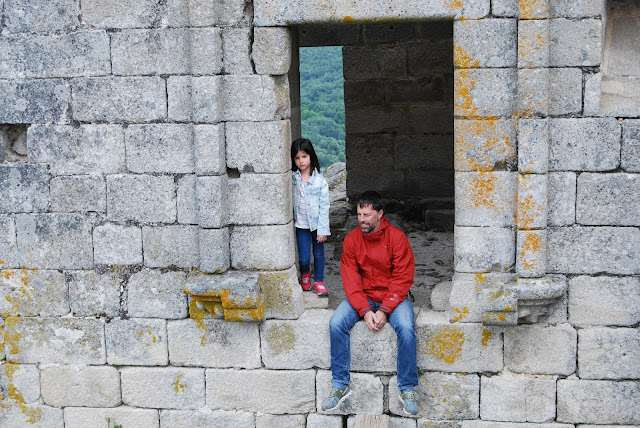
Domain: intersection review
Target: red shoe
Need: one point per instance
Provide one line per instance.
(305, 282)
(320, 289)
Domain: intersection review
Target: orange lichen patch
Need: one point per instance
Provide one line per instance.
(461, 314)
(528, 8)
(464, 84)
(34, 414)
(482, 191)
(281, 338)
(492, 145)
(486, 336)
(446, 344)
(480, 278)
(527, 45)
(528, 211)
(152, 337)
(462, 59)
(348, 20)
(23, 292)
(529, 250)
(178, 386)
(453, 5)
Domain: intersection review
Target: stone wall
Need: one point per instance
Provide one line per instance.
(145, 206)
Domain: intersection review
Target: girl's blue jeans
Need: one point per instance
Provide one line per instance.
(402, 321)
(306, 240)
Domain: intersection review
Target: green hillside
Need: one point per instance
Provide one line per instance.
(322, 102)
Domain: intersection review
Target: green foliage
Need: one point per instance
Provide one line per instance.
(322, 102)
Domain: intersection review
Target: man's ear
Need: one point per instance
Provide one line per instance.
(381, 212)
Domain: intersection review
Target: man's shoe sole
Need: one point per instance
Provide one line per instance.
(344, 397)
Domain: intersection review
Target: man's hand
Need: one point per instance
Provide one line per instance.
(375, 320)
(381, 319)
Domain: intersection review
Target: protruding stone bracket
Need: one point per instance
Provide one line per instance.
(234, 296)
(523, 302)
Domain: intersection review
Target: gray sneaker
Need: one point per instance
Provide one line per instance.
(409, 404)
(336, 396)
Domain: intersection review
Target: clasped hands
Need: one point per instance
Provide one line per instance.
(375, 320)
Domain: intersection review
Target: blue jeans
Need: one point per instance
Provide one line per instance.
(306, 239)
(402, 321)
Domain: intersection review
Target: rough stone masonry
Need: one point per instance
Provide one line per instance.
(147, 258)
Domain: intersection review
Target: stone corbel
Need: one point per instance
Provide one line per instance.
(234, 296)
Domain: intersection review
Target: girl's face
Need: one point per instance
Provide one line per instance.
(303, 161)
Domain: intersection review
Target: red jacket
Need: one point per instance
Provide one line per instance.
(377, 265)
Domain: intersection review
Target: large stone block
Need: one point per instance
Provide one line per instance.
(561, 198)
(209, 142)
(541, 349)
(94, 294)
(227, 390)
(33, 293)
(592, 94)
(283, 342)
(214, 250)
(154, 294)
(196, 13)
(214, 343)
(594, 250)
(280, 421)
(604, 300)
(205, 417)
(608, 199)
(366, 396)
(271, 50)
(531, 247)
(179, 102)
(441, 396)
(119, 99)
(544, 91)
(587, 144)
(376, 119)
(124, 14)
(34, 101)
(383, 343)
(416, 152)
(598, 402)
(81, 386)
(576, 9)
(491, 424)
(31, 416)
(54, 340)
(609, 353)
(78, 194)
(260, 147)
(141, 198)
(117, 245)
(21, 383)
(236, 45)
(211, 199)
(271, 205)
(163, 387)
(23, 188)
(206, 99)
(485, 92)
(262, 247)
(374, 62)
(282, 294)
(255, 98)
(163, 148)
(137, 342)
(74, 54)
(87, 149)
(575, 43)
(486, 198)
(461, 347)
(631, 145)
(517, 398)
(426, 57)
(82, 417)
(481, 249)
(398, 422)
(8, 249)
(171, 246)
(41, 15)
(506, 8)
(485, 145)
(54, 241)
(533, 43)
(531, 212)
(497, 49)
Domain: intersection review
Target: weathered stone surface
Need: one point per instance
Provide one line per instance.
(402, 422)
(54, 340)
(484, 145)
(366, 394)
(485, 92)
(34, 101)
(214, 250)
(164, 148)
(372, 351)
(119, 99)
(491, 424)
(467, 295)
(561, 198)
(205, 417)
(506, 8)
(31, 416)
(532, 201)
(197, 13)
(153, 294)
(186, 200)
(271, 50)
(143, 198)
(440, 296)
(54, 241)
(594, 250)
(576, 9)
(484, 249)
(81, 386)
(236, 45)
(517, 398)
(73, 54)
(315, 420)
(575, 43)
(609, 353)
(584, 144)
(280, 421)
(8, 249)
(227, 390)
(165, 388)
(262, 247)
(24, 188)
(206, 99)
(498, 47)
(462, 347)
(21, 383)
(94, 294)
(248, 207)
(561, 100)
(211, 199)
(541, 349)
(543, 91)
(214, 343)
(79, 194)
(282, 294)
(125, 14)
(631, 145)
(485, 198)
(137, 342)
(604, 300)
(117, 245)
(260, 147)
(533, 43)
(255, 98)
(82, 417)
(282, 342)
(592, 94)
(171, 246)
(374, 62)
(41, 15)
(209, 142)
(531, 258)
(608, 199)
(598, 402)
(441, 396)
(33, 293)
(179, 105)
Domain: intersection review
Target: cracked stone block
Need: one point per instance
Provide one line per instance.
(541, 349)
(366, 395)
(23, 188)
(604, 300)
(81, 386)
(94, 294)
(154, 294)
(33, 293)
(137, 342)
(163, 387)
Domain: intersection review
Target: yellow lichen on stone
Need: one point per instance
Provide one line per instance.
(529, 250)
(18, 280)
(453, 5)
(464, 84)
(276, 291)
(486, 336)
(461, 314)
(281, 338)
(446, 344)
(528, 8)
(494, 148)
(483, 191)
(179, 386)
(348, 20)
(15, 397)
(462, 59)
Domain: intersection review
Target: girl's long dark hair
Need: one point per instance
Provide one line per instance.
(306, 146)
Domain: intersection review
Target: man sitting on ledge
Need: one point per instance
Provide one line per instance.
(377, 269)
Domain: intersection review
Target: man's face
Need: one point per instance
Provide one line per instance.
(369, 219)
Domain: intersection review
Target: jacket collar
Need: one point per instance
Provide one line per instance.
(384, 223)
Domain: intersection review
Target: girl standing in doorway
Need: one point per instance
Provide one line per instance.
(310, 213)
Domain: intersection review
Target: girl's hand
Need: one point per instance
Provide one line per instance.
(322, 238)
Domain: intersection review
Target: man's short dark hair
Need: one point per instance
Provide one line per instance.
(373, 198)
